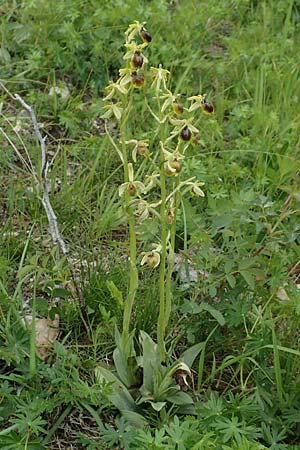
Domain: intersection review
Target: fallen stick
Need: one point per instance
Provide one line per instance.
(42, 179)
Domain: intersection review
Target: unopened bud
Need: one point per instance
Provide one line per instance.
(169, 171)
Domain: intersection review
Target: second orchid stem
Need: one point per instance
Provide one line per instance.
(133, 273)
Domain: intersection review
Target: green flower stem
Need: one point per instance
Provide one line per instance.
(133, 273)
(161, 323)
(171, 255)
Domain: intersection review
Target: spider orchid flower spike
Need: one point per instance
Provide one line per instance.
(182, 128)
(140, 148)
(131, 188)
(199, 102)
(172, 163)
(160, 77)
(152, 258)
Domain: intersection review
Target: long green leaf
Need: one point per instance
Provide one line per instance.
(202, 359)
(135, 419)
(151, 361)
(123, 356)
(180, 398)
(119, 395)
(189, 355)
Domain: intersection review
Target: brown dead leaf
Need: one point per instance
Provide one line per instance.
(282, 294)
(46, 333)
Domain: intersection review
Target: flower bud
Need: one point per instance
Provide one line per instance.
(186, 134)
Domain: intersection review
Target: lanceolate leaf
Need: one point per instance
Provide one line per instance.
(119, 395)
(123, 357)
(116, 293)
(158, 406)
(180, 398)
(189, 356)
(135, 419)
(151, 361)
(122, 367)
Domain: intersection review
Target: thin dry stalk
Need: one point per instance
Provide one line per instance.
(42, 179)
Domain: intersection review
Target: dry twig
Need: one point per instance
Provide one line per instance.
(42, 180)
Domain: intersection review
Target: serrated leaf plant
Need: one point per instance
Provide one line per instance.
(173, 128)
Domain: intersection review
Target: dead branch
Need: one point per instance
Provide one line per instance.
(42, 179)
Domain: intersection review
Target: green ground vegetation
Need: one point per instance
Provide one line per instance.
(225, 374)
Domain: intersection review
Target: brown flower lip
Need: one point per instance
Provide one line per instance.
(137, 79)
(152, 259)
(175, 164)
(137, 59)
(131, 190)
(142, 148)
(178, 108)
(208, 107)
(186, 134)
(145, 35)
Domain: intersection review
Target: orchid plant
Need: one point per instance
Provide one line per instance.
(174, 124)
(177, 131)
